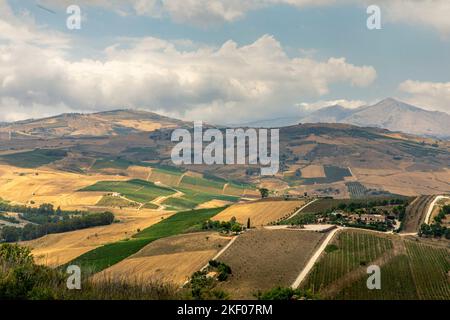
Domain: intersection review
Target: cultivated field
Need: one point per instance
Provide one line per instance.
(138, 172)
(33, 158)
(114, 252)
(409, 269)
(354, 250)
(411, 183)
(192, 198)
(191, 181)
(136, 190)
(214, 204)
(419, 272)
(45, 185)
(263, 259)
(260, 212)
(356, 190)
(313, 171)
(172, 259)
(58, 249)
(166, 176)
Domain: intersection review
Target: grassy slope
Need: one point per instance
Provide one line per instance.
(110, 254)
(193, 198)
(136, 190)
(33, 159)
(202, 182)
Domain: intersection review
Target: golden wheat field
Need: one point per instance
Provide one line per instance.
(172, 259)
(213, 204)
(313, 171)
(45, 185)
(260, 212)
(58, 249)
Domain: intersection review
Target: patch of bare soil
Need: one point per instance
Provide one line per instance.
(262, 259)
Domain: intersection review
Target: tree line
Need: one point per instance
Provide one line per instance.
(45, 213)
(34, 231)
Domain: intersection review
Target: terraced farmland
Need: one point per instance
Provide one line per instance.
(135, 190)
(110, 254)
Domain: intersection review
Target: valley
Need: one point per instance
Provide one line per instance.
(211, 230)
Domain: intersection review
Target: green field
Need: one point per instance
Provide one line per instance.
(203, 183)
(166, 176)
(136, 190)
(110, 163)
(332, 174)
(110, 254)
(193, 198)
(115, 202)
(354, 249)
(421, 273)
(33, 159)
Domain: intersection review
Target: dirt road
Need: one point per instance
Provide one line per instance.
(301, 209)
(431, 207)
(313, 259)
(415, 214)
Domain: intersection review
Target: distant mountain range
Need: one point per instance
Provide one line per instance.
(388, 114)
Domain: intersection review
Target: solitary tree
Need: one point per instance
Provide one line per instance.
(264, 193)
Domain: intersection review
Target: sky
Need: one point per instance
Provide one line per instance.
(221, 61)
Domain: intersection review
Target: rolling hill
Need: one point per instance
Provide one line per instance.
(116, 122)
(317, 158)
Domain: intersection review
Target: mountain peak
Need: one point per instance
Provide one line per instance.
(390, 114)
(399, 105)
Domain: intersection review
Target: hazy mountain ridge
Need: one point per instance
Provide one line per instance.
(93, 124)
(389, 114)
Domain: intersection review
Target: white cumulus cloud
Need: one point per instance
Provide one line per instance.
(229, 82)
(429, 95)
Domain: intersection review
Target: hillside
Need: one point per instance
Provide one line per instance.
(321, 159)
(332, 114)
(107, 123)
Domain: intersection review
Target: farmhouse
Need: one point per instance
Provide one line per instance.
(368, 218)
